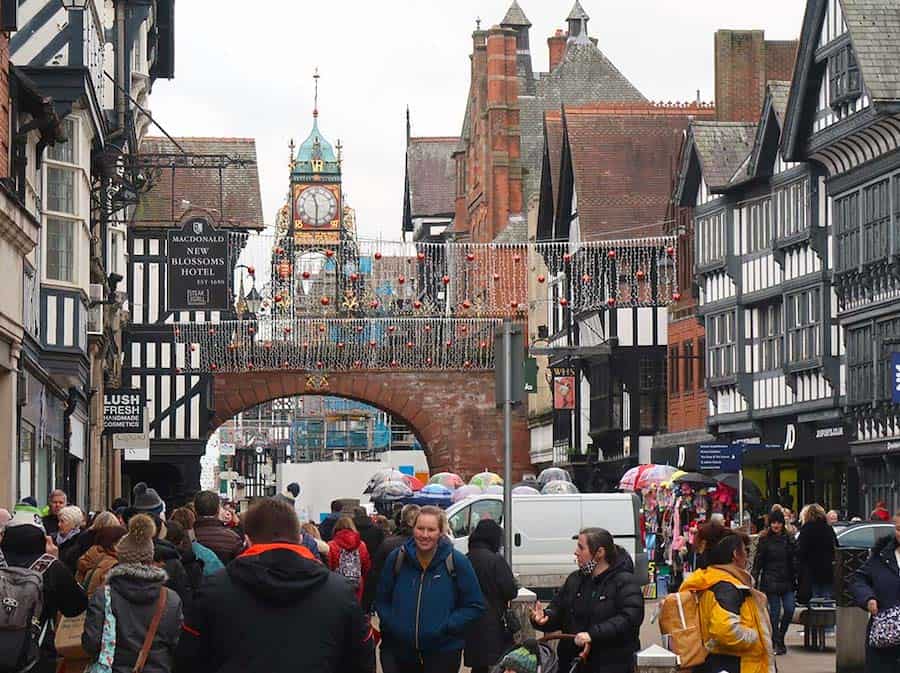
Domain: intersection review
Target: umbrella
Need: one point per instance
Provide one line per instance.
(629, 479)
(694, 478)
(391, 490)
(751, 490)
(485, 479)
(437, 490)
(552, 474)
(524, 489)
(464, 492)
(495, 489)
(414, 483)
(448, 479)
(383, 475)
(557, 487)
(654, 475)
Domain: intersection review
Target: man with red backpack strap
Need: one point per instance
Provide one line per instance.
(273, 601)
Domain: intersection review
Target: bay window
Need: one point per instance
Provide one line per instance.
(721, 337)
(804, 325)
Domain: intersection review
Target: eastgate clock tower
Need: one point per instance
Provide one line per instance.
(315, 199)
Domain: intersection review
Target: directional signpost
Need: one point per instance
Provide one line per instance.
(725, 458)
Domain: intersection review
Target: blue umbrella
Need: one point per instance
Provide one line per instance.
(437, 490)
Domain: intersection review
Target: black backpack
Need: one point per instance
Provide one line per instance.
(21, 609)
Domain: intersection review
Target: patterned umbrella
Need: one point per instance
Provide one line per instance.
(552, 474)
(694, 478)
(557, 487)
(464, 492)
(414, 483)
(448, 479)
(391, 490)
(525, 490)
(383, 475)
(654, 475)
(485, 479)
(437, 489)
(629, 479)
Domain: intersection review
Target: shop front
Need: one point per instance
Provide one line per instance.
(796, 461)
(879, 473)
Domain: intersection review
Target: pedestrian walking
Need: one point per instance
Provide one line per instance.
(147, 614)
(734, 618)
(371, 534)
(326, 528)
(211, 532)
(601, 603)
(402, 535)
(488, 637)
(775, 572)
(427, 595)
(275, 608)
(57, 500)
(816, 546)
(95, 564)
(348, 556)
(876, 589)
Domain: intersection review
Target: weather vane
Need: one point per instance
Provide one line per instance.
(316, 94)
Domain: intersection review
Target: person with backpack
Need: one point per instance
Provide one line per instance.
(601, 603)
(400, 537)
(490, 635)
(41, 587)
(428, 594)
(775, 573)
(348, 556)
(147, 615)
(733, 616)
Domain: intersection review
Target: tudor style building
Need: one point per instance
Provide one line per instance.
(842, 116)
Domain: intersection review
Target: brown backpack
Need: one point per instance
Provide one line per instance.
(679, 619)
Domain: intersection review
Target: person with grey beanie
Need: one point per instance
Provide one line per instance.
(137, 597)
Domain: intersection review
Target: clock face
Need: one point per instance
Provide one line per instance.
(316, 206)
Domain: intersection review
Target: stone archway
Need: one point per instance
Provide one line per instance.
(453, 414)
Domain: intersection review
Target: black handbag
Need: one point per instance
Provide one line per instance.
(511, 623)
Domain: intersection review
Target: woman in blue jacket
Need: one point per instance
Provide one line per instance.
(427, 595)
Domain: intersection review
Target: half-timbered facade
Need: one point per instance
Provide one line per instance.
(843, 117)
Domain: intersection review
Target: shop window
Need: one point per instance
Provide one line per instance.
(770, 336)
(859, 365)
(804, 325)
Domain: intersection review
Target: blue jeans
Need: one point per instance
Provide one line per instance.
(781, 605)
(823, 591)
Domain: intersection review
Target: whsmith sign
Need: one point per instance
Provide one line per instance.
(123, 411)
(198, 268)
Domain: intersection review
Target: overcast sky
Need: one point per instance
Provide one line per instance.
(245, 70)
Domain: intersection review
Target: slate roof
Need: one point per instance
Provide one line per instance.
(515, 16)
(624, 159)
(874, 27)
(431, 173)
(722, 148)
(583, 76)
(241, 203)
(577, 12)
(779, 91)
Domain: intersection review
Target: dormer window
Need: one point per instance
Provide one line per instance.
(843, 75)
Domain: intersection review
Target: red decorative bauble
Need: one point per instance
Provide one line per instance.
(340, 345)
(373, 344)
(277, 298)
(670, 251)
(391, 328)
(250, 365)
(287, 330)
(321, 328)
(359, 330)
(178, 370)
(394, 363)
(567, 258)
(467, 364)
(445, 280)
(354, 277)
(448, 343)
(483, 345)
(676, 296)
(470, 256)
(586, 278)
(305, 275)
(357, 363)
(427, 328)
(194, 346)
(177, 331)
(464, 329)
(640, 274)
(213, 366)
(563, 301)
(306, 344)
(374, 303)
(517, 258)
(251, 270)
(211, 330)
(611, 254)
(279, 251)
(514, 304)
(251, 330)
(401, 279)
(496, 277)
(417, 304)
(410, 345)
(466, 304)
(428, 361)
(421, 256)
(377, 255)
(320, 364)
(611, 301)
(541, 278)
(325, 301)
(329, 253)
(268, 345)
(285, 364)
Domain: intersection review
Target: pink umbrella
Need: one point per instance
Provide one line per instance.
(629, 479)
(464, 492)
(414, 483)
(654, 475)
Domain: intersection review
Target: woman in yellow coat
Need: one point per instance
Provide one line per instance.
(734, 618)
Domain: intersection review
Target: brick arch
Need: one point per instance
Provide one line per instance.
(453, 414)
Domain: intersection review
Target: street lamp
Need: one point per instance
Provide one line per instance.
(254, 299)
(75, 5)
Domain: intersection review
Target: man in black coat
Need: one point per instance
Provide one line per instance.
(876, 588)
(487, 638)
(275, 608)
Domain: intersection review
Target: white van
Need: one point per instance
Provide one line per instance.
(543, 526)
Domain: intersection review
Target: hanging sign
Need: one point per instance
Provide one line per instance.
(198, 267)
(895, 377)
(564, 392)
(123, 411)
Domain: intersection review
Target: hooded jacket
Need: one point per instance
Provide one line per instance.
(486, 638)
(275, 608)
(134, 592)
(424, 611)
(733, 619)
(167, 556)
(223, 541)
(350, 541)
(608, 606)
(93, 568)
(774, 566)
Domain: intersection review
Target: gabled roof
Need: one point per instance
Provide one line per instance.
(768, 133)
(431, 176)
(515, 16)
(169, 199)
(721, 148)
(623, 161)
(577, 12)
(874, 28)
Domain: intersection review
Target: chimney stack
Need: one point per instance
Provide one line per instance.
(557, 45)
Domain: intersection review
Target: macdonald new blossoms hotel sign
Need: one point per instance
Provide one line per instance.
(198, 268)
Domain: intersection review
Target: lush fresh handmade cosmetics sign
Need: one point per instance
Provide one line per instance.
(123, 410)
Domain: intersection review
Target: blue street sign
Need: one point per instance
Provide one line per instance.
(895, 377)
(719, 457)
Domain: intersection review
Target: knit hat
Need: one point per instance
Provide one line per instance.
(146, 499)
(520, 660)
(137, 545)
(776, 516)
(26, 515)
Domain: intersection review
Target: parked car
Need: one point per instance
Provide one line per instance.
(862, 535)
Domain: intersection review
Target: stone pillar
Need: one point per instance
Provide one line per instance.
(8, 436)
